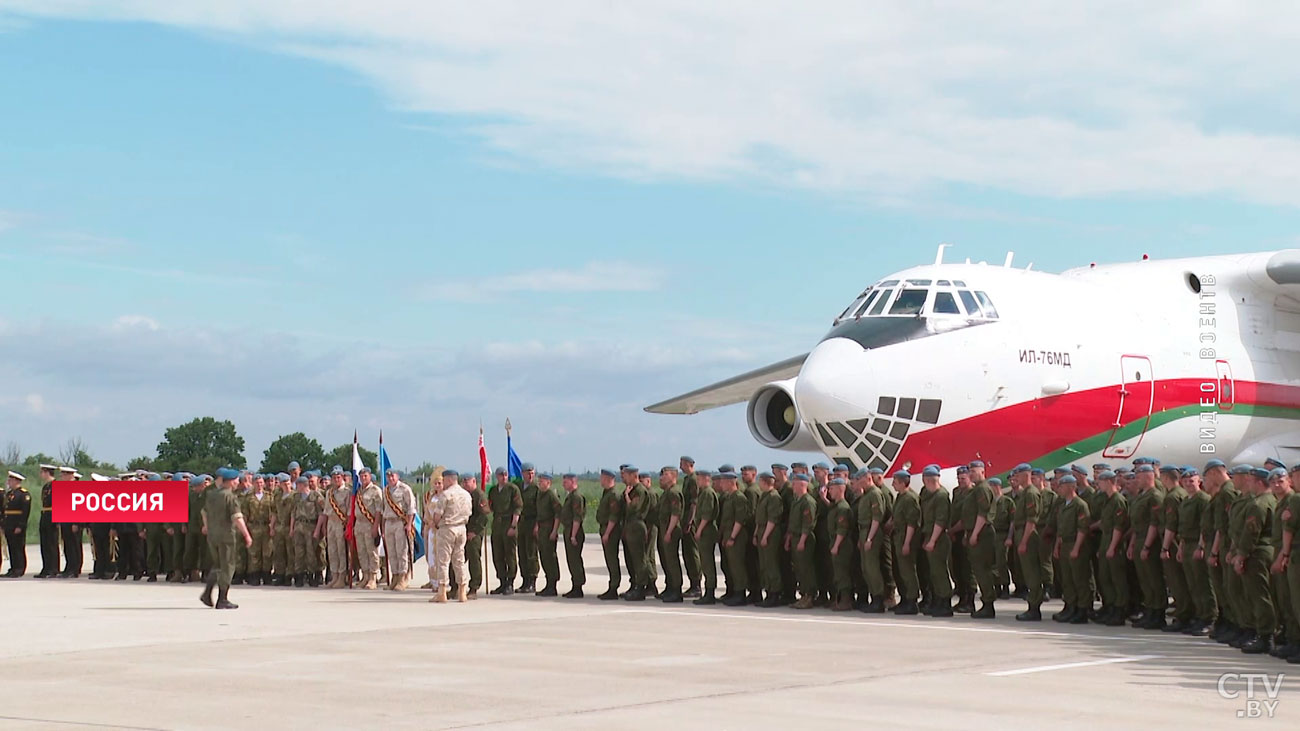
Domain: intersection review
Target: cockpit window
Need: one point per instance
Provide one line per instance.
(909, 302)
(881, 301)
(968, 300)
(945, 304)
(986, 305)
(867, 303)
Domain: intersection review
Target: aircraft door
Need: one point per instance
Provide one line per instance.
(1136, 399)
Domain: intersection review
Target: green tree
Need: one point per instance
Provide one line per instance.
(202, 445)
(295, 447)
(140, 463)
(342, 456)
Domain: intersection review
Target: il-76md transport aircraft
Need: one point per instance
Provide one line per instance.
(1185, 359)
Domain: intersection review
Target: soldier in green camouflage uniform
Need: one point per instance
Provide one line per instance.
(1026, 542)
(670, 523)
(840, 524)
(769, 539)
(259, 510)
(546, 533)
(305, 510)
(1113, 577)
(636, 533)
(1252, 554)
(475, 530)
(872, 515)
(979, 512)
(905, 527)
(706, 537)
(1073, 524)
(609, 521)
(690, 550)
(507, 502)
(572, 513)
(936, 517)
(197, 558)
(281, 541)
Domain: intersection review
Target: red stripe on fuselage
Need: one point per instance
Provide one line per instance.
(1004, 437)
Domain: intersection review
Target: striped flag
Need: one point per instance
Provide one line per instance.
(484, 467)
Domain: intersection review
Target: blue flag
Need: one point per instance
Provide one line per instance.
(384, 466)
(514, 465)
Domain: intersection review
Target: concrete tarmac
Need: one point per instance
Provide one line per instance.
(91, 654)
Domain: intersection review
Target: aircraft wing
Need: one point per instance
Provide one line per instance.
(731, 391)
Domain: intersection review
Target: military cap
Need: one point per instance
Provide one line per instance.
(294, 466)
(608, 473)
(727, 476)
(838, 481)
(727, 468)
(337, 470)
(876, 471)
(963, 470)
(16, 475)
(196, 481)
(311, 473)
(798, 465)
(861, 473)
(703, 473)
(1078, 470)
(1241, 469)
(1144, 467)
(799, 477)
(976, 463)
(50, 467)
(1123, 470)
(501, 471)
(1193, 472)
(779, 466)
(1168, 468)
(569, 476)
(1277, 472)
(205, 476)
(167, 475)
(226, 473)
(643, 473)
(623, 467)
(282, 477)
(1060, 471)
(666, 469)
(1260, 472)
(364, 471)
(68, 470)
(450, 473)
(1106, 475)
(545, 476)
(1037, 472)
(748, 467)
(629, 468)
(1068, 480)
(930, 471)
(393, 471)
(1139, 461)
(1022, 467)
(155, 477)
(766, 476)
(841, 468)
(687, 460)
(527, 466)
(302, 480)
(1101, 466)
(1273, 463)
(902, 475)
(995, 481)
(1296, 468)
(822, 466)
(1214, 463)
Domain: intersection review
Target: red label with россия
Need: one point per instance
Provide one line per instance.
(121, 502)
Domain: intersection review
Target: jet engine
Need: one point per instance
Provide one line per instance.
(774, 419)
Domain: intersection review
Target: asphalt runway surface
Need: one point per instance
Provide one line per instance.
(91, 654)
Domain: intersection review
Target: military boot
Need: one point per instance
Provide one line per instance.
(223, 601)
(548, 590)
(804, 602)
(300, 579)
(842, 603)
(206, 596)
(985, 611)
(1032, 614)
(706, 599)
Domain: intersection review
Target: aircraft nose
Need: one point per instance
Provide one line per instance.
(830, 376)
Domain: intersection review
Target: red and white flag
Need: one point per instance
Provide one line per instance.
(484, 467)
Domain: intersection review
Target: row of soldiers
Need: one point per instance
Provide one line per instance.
(296, 520)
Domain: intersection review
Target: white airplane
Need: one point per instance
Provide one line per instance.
(1184, 359)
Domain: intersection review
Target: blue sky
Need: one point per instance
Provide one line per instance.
(417, 219)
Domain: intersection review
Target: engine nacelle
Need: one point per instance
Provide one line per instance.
(774, 419)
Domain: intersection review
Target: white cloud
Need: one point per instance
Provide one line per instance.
(1102, 98)
(130, 322)
(35, 403)
(591, 277)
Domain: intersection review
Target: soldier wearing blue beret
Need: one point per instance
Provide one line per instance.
(222, 521)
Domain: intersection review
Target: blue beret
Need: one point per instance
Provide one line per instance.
(196, 481)
(841, 468)
(570, 476)
(1273, 462)
(1214, 463)
(629, 468)
(799, 477)
(1037, 472)
(1188, 468)
(282, 477)
(798, 465)
(963, 470)
(748, 467)
(687, 460)
(1260, 472)
(1241, 469)
(527, 466)
(995, 481)
(861, 473)
(1193, 472)
(336, 471)
(1278, 472)
(1296, 468)
(643, 473)
(976, 463)
(364, 470)
(876, 471)
(779, 466)
(1168, 468)
(1101, 466)
(838, 481)
(1139, 461)
(822, 466)
(1068, 480)
(293, 466)
(302, 480)
(450, 473)
(766, 476)
(727, 476)
(704, 473)
(930, 471)
(547, 476)
(1106, 475)
(1060, 471)
(1077, 469)
(225, 473)
(1144, 467)
(902, 475)
(1022, 467)
(608, 473)
(726, 468)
